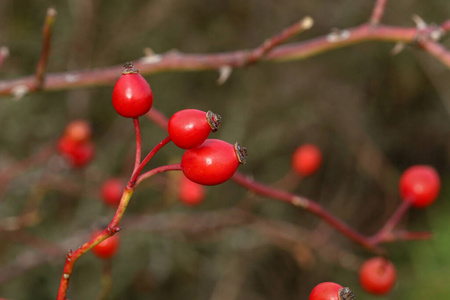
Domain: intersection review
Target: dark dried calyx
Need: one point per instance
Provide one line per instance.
(128, 68)
(346, 294)
(214, 120)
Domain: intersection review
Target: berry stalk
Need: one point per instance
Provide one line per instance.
(73, 256)
(137, 130)
(149, 156)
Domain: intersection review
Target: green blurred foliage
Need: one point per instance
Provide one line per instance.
(371, 113)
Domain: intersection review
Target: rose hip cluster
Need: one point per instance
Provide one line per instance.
(75, 144)
(205, 161)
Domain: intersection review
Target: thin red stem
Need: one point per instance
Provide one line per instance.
(149, 156)
(173, 167)
(73, 256)
(409, 235)
(46, 34)
(393, 221)
(137, 130)
(308, 205)
(378, 12)
(272, 42)
(437, 50)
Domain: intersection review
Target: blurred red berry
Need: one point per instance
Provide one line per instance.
(306, 159)
(108, 248)
(213, 162)
(331, 291)
(377, 276)
(78, 131)
(78, 155)
(132, 96)
(190, 127)
(111, 191)
(420, 185)
(189, 192)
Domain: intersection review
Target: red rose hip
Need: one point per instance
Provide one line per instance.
(213, 162)
(78, 154)
(331, 291)
(132, 96)
(111, 191)
(78, 131)
(189, 192)
(306, 159)
(108, 248)
(420, 185)
(377, 276)
(190, 127)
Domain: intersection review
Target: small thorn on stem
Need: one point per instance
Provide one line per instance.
(338, 35)
(224, 74)
(300, 202)
(19, 91)
(66, 275)
(398, 48)
(420, 23)
(307, 23)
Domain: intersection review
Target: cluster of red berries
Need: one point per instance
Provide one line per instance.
(205, 161)
(75, 144)
(211, 161)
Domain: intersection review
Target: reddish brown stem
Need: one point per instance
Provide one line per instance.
(149, 156)
(46, 34)
(286, 34)
(377, 12)
(408, 236)
(393, 221)
(73, 256)
(173, 167)
(137, 130)
(200, 62)
(308, 205)
(437, 50)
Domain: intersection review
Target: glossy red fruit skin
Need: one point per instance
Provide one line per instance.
(325, 291)
(189, 192)
(132, 96)
(306, 159)
(377, 276)
(420, 184)
(111, 191)
(188, 128)
(108, 248)
(79, 131)
(211, 163)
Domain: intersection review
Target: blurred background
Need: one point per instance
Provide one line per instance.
(372, 115)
